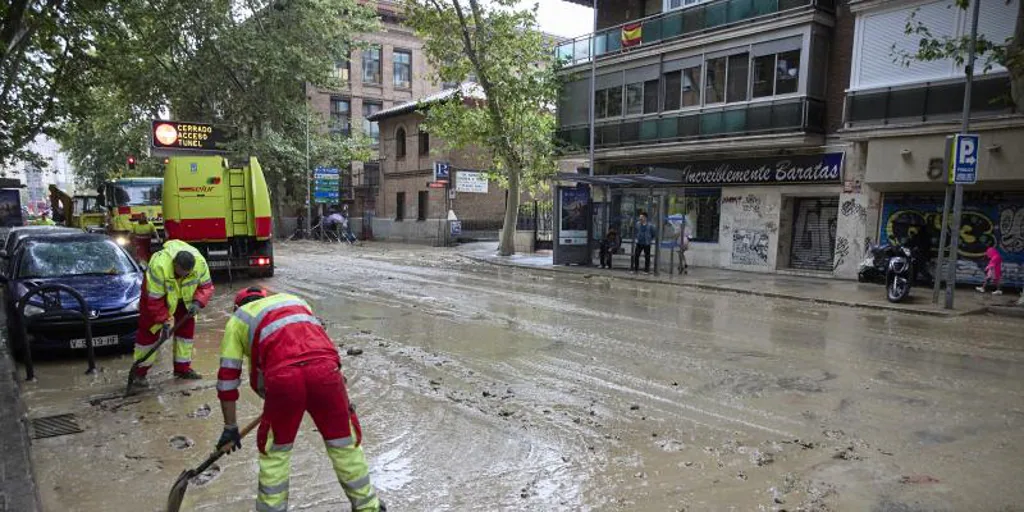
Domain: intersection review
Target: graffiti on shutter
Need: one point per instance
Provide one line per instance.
(814, 233)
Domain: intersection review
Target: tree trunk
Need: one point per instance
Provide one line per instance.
(507, 246)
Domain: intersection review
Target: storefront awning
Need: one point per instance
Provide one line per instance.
(654, 176)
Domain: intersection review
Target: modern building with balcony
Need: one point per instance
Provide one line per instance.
(718, 112)
(897, 117)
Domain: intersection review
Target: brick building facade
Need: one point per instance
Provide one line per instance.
(392, 71)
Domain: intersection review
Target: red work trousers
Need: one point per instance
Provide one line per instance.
(145, 339)
(315, 386)
(143, 245)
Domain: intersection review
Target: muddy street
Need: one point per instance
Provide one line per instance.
(483, 387)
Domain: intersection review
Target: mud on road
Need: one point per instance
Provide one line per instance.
(489, 388)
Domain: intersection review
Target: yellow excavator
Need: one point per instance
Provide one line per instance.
(81, 211)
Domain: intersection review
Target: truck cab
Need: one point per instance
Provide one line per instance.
(222, 210)
(126, 199)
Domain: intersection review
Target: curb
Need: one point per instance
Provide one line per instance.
(742, 291)
(1011, 311)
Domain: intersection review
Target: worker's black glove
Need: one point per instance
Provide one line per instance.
(194, 308)
(230, 436)
(167, 329)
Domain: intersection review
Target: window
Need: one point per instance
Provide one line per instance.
(673, 90)
(634, 98)
(714, 86)
(691, 86)
(424, 142)
(341, 116)
(701, 209)
(403, 69)
(423, 205)
(400, 143)
(342, 70)
(400, 206)
(608, 102)
(371, 129)
(737, 78)
(651, 96)
(371, 65)
(776, 74)
(787, 75)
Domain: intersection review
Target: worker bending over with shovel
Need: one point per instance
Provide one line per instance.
(177, 285)
(295, 367)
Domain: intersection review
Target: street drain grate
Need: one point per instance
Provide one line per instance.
(53, 426)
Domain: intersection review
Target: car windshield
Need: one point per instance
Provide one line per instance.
(87, 205)
(73, 258)
(138, 195)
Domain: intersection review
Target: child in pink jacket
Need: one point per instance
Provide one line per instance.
(993, 272)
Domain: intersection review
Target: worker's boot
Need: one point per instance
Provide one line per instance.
(188, 375)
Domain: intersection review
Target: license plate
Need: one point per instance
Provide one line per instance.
(97, 341)
(218, 264)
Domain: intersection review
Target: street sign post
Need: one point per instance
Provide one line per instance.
(442, 172)
(963, 168)
(326, 185)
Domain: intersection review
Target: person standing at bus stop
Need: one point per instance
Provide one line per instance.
(643, 238)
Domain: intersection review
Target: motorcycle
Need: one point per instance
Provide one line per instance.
(892, 265)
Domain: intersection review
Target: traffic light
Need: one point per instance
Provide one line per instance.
(131, 162)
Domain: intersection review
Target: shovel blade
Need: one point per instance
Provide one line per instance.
(177, 494)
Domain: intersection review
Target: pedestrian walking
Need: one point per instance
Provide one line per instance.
(644, 237)
(684, 245)
(993, 272)
(176, 286)
(609, 245)
(294, 366)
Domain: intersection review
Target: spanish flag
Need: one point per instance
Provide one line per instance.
(632, 34)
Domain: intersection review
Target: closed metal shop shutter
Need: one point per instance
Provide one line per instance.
(814, 233)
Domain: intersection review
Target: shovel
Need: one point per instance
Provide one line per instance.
(164, 336)
(177, 494)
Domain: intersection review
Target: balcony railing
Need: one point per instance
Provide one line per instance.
(930, 101)
(792, 115)
(672, 25)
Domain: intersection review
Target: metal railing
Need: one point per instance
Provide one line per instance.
(667, 26)
(929, 101)
(798, 114)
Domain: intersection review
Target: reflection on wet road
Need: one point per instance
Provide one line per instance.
(489, 388)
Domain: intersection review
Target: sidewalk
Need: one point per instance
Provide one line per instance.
(810, 289)
(18, 491)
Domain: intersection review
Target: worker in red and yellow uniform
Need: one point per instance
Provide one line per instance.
(177, 285)
(143, 233)
(295, 367)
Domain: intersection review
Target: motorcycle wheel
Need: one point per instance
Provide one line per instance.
(897, 289)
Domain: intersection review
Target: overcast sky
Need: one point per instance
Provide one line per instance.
(563, 18)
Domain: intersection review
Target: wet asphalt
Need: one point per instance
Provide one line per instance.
(482, 387)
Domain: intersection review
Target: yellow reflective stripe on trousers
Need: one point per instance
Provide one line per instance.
(231, 363)
(228, 385)
(141, 351)
(182, 350)
(275, 469)
(353, 473)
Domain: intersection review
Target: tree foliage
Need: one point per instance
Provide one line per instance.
(1008, 53)
(241, 63)
(502, 47)
(43, 51)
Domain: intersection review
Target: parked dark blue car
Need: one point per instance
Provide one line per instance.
(94, 265)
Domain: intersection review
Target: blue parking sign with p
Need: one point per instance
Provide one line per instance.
(964, 162)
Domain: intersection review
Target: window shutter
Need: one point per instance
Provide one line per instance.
(881, 66)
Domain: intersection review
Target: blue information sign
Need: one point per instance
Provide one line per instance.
(964, 167)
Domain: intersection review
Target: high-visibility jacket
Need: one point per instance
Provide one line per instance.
(44, 221)
(144, 229)
(274, 332)
(164, 291)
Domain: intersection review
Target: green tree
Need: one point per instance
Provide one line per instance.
(502, 47)
(1008, 53)
(43, 50)
(241, 63)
